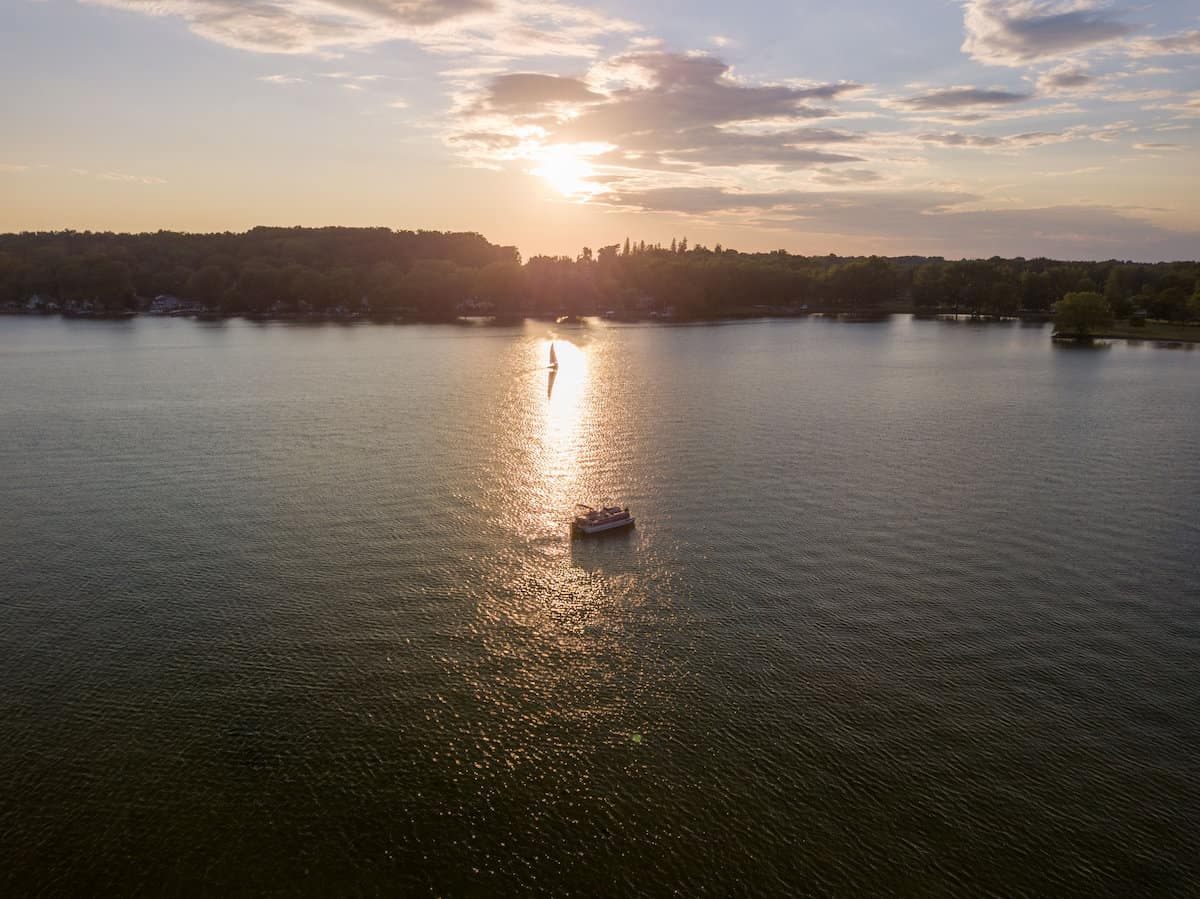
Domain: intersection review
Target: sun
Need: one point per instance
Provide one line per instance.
(567, 171)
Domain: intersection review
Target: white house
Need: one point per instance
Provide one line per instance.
(165, 304)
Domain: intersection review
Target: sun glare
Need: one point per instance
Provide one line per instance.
(567, 171)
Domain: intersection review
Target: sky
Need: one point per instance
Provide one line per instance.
(1062, 128)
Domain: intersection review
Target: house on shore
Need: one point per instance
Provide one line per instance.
(165, 304)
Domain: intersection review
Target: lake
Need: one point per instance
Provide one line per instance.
(910, 608)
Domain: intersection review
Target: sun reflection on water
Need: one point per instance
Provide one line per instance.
(551, 612)
(561, 422)
(555, 465)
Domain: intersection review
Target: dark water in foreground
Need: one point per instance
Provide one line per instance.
(910, 608)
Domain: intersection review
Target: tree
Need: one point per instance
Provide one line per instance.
(500, 283)
(385, 285)
(345, 288)
(1082, 314)
(110, 281)
(259, 286)
(1170, 304)
(1117, 291)
(436, 286)
(863, 283)
(207, 285)
(931, 289)
(1193, 306)
(985, 286)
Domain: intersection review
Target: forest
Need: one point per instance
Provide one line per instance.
(437, 276)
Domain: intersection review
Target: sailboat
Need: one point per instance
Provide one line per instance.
(553, 357)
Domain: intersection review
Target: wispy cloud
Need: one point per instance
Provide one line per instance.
(1186, 106)
(1010, 141)
(959, 97)
(1113, 132)
(281, 79)
(1068, 173)
(126, 178)
(1184, 43)
(844, 176)
(328, 27)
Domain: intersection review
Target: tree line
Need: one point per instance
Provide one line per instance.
(431, 275)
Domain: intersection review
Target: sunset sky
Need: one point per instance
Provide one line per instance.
(1065, 129)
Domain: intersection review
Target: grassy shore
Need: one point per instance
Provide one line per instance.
(1123, 330)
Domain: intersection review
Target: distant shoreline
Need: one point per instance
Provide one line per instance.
(1154, 331)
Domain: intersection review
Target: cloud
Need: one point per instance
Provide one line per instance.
(1018, 32)
(1012, 141)
(281, 79)
(528, 91)
(1086, 170)
(845, 176)
(130, 179)
(672, 92)
(651, 111)
(488, 140)
(511, 27)
(1184, 107)
(828, 91)
(717, 147)
(1156, 147)
(1139, 96)
(959, 97)
(1184, 43)
(1113, 132)
(351, 81)
(956, 139)
(1065, 78)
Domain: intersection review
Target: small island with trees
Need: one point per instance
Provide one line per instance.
(380, 274)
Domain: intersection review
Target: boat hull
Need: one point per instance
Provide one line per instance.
(589, 529)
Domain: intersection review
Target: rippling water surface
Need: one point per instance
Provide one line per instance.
(910, 607)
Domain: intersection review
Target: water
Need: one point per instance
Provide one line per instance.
(910, 608)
